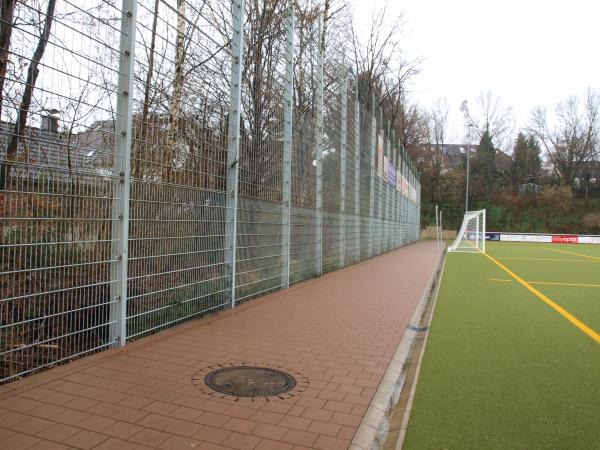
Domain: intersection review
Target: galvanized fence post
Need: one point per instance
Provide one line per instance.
(373, 145)
(233, 150)
(393, 191)
(343, 141)
(419, 214)
(122, 172)
(357, 173)
(386, 189)
(412, 206)
(381, 221)
(396, 197)
(319, 157)
(407, 230)
(286, 199)
(402, 205)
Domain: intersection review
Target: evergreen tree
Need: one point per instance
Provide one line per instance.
(527, 162)
(484, 164)
(534, 160)
(520, 160)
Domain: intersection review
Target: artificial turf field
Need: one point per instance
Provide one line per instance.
(504, 370)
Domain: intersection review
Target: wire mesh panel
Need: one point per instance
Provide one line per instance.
(351, 228)
(303, 234)
(177, 227)
(366, 153)
(259, 246)
(58, 151)
(332, 222)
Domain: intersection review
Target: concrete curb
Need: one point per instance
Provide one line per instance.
(413, 390)
(373, 430)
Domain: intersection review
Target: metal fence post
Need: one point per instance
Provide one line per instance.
(122, 181)
(357, 173)
(373, 143)
(412, 205)
(319, 157)
(419, 214)
(406, 203)
(343, 140)
(402, 199)
(381, 221)
(397, 194)
(394, 192)
(233, 150)
(286, 199)
(386, 188)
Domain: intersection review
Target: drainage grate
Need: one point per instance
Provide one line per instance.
(249, 381)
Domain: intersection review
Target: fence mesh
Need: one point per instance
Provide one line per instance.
(130, 198)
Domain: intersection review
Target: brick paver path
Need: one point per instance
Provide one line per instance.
(338, 333)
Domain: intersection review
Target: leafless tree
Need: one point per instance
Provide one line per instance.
(570, 138)
(32, 74)
(383, 71)
(490, 115)
(7, 10)
(438, 129)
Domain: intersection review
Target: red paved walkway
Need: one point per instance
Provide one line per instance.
(338, 333)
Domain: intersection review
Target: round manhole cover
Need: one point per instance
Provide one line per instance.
(244, 381)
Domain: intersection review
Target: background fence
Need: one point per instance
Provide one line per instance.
(165, 159)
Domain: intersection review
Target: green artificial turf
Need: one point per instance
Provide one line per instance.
(502, 370)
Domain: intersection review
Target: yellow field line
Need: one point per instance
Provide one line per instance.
(565, 284)
(552, 283)
(572, 253)
(563, 312)
(551, 259)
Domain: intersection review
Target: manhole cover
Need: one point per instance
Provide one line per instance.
(244, 381)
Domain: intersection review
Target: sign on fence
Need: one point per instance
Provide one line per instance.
(542, 238)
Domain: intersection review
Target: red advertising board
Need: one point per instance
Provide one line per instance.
(565, 239)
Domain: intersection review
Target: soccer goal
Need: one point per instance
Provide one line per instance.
(471, 237)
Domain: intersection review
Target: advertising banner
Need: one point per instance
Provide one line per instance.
(565, 239)
(385, 165)
(526, 238)
(492, 236)
(404, 186)
(589, 239)
(543, 238)
(391, 174)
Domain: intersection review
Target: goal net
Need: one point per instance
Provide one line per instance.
(471, 237)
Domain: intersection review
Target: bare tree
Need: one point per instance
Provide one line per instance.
(570, 138)
(438, 129)
(7, 10)
(32, 74)
(383, 71)
(410, 121)
(490, 115)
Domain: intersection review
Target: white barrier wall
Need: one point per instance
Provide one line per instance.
(542, 238)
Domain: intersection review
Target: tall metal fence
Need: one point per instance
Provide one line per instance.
(178, 157)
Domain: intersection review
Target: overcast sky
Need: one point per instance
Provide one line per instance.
(529, 52)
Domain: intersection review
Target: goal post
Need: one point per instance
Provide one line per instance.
(471, 236)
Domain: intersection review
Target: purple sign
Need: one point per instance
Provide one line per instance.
(391, 174)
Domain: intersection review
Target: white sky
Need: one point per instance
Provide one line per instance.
(528, 52)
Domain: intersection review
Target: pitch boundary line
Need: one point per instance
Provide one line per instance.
(559, 309)
(551, 283)
(548, 259)
(573, 253)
